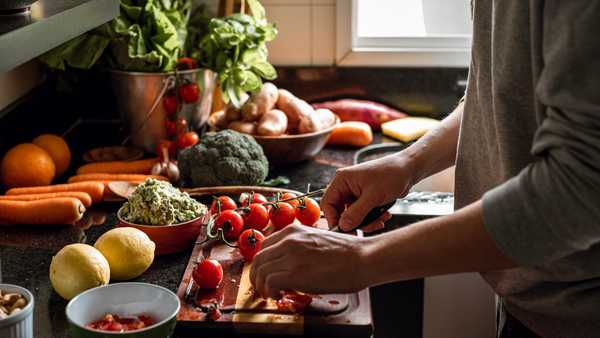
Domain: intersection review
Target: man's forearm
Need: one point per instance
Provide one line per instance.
(449, 244)
(436, 150)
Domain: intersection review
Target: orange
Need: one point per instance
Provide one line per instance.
(27, 165)
(58, 150)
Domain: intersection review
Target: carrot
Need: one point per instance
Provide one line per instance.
(94, 189)
(119, 167)
(60, 210)
(114, 177)
(84, 197)
(356, 134)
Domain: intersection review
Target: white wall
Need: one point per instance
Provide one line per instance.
(306, 31)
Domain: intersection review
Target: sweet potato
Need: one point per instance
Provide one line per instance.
(273, 123)
(94, 189)
(243, 127)
(119, 167)
(352, 133)
(295, 109)
(61, 210)
(372, 113)
(84, 197)
(319, 119)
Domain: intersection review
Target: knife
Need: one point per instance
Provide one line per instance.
(372, 216)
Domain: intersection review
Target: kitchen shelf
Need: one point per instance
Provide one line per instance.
(50, 23)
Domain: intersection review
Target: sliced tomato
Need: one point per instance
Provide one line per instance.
(293, 302)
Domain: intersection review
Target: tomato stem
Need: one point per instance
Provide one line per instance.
(299, 198)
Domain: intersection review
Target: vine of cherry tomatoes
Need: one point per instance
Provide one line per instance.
(185, 93)
(245, 225)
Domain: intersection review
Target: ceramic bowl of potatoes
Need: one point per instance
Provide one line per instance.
(287, 127)
(16, 312)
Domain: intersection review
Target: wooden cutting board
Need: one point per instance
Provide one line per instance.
(245, 313)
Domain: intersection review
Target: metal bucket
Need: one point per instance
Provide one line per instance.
(139, 101)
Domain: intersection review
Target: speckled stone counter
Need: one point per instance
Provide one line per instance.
(26, 251)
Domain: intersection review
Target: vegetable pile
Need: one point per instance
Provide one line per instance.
(273, 112)
(159, 203)
(223, 158)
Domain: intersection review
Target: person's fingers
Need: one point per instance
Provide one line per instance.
(356, 212)
(276, 282)
(264, 256)
(263, 272)
(332, 202)
(277, 236)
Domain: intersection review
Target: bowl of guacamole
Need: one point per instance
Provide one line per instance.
(170, 217)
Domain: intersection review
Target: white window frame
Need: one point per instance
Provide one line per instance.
(430, 51)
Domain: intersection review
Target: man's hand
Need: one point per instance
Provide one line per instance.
(363, 187)
(311, 260)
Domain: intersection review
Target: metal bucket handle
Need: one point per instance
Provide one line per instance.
(168, 82)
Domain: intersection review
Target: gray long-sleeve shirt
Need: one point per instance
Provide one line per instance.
(529, 146)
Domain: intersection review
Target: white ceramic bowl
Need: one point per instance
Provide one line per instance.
(124, 299)
(19, 325)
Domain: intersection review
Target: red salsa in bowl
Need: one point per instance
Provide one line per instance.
(114, 323)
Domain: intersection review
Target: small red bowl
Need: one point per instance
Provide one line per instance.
(171, 238)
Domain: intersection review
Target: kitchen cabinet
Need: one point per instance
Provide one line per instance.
(25, 36)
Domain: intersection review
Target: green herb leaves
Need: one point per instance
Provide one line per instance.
(235, 48)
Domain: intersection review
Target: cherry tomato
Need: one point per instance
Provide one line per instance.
(189, 92)
(250, 242)
(222, 203)
(171, 127)
(256, 198)
(186, 63)
(187, 139)
(208, 274)
(170, 105)
(282, 215)
(231, 222)
(166, 144)
(181, 125)
(256, 217)
(308, 212)
(289, 195)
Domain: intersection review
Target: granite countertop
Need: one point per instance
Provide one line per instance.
(26, 251)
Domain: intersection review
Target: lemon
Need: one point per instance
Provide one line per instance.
(76, 268)
(129, 252)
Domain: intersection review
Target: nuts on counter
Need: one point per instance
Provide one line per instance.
(11, 303)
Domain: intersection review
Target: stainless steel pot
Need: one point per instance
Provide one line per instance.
(9, 5)
(139, 101)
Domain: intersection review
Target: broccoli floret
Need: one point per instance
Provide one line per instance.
(224, 158)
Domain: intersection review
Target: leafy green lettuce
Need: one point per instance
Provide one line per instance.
(235, 47)
(148, 36)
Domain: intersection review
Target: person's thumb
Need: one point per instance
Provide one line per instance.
(355, 213)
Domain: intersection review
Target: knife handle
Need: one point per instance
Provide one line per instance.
(371, 216)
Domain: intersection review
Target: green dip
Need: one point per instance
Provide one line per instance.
(159, 203)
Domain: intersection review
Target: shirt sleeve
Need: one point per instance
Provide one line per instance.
(552, 208)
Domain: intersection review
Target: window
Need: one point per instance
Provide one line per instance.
(403, 32)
